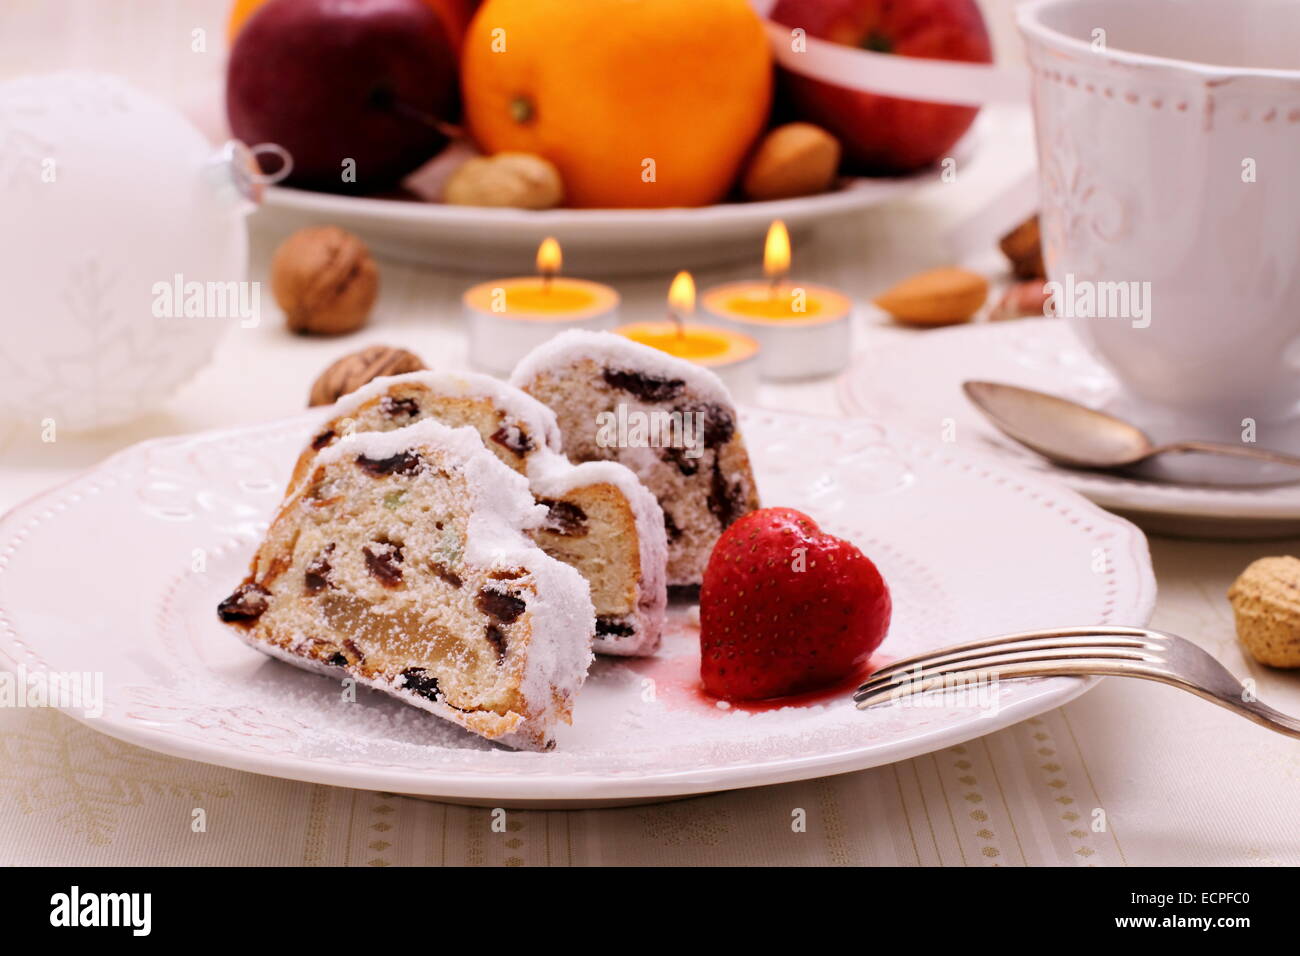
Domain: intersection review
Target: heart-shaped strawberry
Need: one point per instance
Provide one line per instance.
(786, 608)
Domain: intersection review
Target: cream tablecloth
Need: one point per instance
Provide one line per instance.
(1180, 782)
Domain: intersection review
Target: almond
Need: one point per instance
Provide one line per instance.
(1023, 248)
(943, 296)
(797, 159)
(1021, 300)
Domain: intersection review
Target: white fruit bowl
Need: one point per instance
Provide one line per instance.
(620, 241)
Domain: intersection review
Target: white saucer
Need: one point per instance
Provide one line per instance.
(100, 575)
(917, 384)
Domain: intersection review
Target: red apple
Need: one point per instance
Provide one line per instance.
(369, 81)
(883, 134)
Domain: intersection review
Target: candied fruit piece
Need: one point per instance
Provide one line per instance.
(245, 605)
(564, 518)
(648, 388)
(403, 463)
(383, 560)
(501, 605)
(513, 438)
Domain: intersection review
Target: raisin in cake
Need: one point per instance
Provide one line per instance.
(401, 561)
(602, 520)
(671, 422)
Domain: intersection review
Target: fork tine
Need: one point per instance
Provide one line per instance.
(1099, 632)
(1011, 644)
(996, 665)
(1065, 667)
(1149, 655)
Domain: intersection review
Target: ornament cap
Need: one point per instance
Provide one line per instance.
(236, 166)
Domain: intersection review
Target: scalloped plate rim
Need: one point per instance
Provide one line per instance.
(579, 787)
(1055, 692)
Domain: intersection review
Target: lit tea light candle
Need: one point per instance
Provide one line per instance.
(509, 317)
(803, 329)
(732, 355)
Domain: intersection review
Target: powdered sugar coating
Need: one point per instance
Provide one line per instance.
(552, 475)
(499, 492)
(589, 378)
(609, 349)
(501, 508)
(539, 419)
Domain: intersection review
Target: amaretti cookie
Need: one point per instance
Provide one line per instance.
(402, 560)
(602, 520)
(671, 422)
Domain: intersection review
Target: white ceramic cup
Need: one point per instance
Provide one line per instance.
(1169, 159)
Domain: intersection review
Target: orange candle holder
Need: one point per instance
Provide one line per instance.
(804, 330)
(733, 356)
(508, 318)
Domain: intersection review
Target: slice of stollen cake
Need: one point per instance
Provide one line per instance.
(602, 521)
(671, 422)
(401, 559)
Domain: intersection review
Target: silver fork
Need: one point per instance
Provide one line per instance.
(1069, 652)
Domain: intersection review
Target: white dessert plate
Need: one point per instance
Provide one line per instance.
(917, 383)
(120, 570)
(619, 241)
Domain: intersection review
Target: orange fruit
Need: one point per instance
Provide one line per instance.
(638, 104)
(455, 16)
(240, 11)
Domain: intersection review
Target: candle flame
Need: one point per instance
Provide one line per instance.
(549, 258)
(776, 251)
(681, 295)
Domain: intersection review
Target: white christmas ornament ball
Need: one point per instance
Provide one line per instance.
(110, 197)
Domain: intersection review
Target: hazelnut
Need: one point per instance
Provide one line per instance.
(1266, 602)
(521, 180)
(324, 280)
(357, 368)
(1023, 248)
(797, 159)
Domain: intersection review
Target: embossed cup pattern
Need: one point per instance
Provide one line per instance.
(1181, 175)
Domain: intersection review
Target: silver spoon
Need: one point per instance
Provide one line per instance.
(1074, 435)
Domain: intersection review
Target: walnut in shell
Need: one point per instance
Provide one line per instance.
(358, 368)
(324, 280)
(521, 180)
